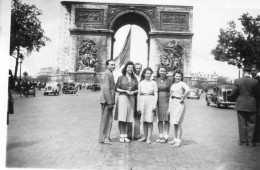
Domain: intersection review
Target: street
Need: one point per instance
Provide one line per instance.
(62, 131)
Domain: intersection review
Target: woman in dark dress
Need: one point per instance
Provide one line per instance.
(164, 85)
(127, 86)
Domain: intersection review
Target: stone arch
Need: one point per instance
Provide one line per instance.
(131, 16)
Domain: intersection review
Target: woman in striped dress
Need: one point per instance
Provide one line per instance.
(164, 84)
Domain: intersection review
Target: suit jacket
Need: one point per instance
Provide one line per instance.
(107, 88)
(246, 89)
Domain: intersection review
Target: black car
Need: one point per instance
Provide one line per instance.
(220, 95)
(94, 87)
(68, 88)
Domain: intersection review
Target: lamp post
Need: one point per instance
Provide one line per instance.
(25, 74)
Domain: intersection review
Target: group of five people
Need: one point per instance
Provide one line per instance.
(142, 99)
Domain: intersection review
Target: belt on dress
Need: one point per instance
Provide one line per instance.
(146, 94)
(175, 97)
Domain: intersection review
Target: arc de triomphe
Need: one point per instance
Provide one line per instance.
(87, 32)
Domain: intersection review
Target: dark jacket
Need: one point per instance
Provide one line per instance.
(246, 91)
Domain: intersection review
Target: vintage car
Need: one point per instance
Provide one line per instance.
(68, 88)
(94, 87)
(194, 93)
(30, 91)
(220, 96)
(52, 88)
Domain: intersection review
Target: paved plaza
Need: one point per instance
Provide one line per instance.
(62, 131)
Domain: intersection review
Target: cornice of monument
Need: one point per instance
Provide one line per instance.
(106, 31)
(154, 33)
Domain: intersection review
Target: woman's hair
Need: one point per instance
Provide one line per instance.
(161, 66)
(144, 71)
(129, 63)
(177, 72)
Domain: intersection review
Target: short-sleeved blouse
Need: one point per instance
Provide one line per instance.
(147, 87)
(124, 83)
(179, 88)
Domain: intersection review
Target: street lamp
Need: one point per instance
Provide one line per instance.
(25, 74)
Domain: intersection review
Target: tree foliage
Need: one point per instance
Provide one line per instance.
(241, 49)
(26, 31)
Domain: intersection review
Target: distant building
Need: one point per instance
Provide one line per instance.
(48, 71)
(201, 77)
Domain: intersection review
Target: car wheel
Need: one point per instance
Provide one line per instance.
(218, 105)
(208, 103)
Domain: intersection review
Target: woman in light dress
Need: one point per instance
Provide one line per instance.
(127, 86)
(147, 102)
(178, 93)
(164, 84)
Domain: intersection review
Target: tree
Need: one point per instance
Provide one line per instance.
(222, 80)
(43, 78)
(240, 48)
(26, 31)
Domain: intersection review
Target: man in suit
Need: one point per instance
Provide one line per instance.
(245, 90)
(256, 75)
(107, 100)
(137, 117)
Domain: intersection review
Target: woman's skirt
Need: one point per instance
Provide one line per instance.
(177, 111)
(146, 105)
(163, 105)
(125, 107)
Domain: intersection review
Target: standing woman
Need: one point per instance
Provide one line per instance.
(178, 93)
(147, 102)
(164, 85)
(127, 86)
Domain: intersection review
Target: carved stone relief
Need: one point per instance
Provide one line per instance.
(87, 56)
(172, 56)
(89, 15)
(174, 18)
(113, 10)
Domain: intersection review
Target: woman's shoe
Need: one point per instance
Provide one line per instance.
(142, 140)
(148, 141)
(163, 140)
(122, 140)
(127, 140)
(172, 142)
(158, 140)
(177, 144)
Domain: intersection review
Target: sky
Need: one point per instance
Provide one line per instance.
(208, 18)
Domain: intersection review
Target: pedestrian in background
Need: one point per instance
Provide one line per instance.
(246, 89)
(256, 75)
(147, 102)
(11, 85)
(107, 100)
(164, 84)
(127, 86)
(136, 125)
(178, 93)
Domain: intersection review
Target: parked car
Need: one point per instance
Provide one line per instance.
(68, 88)
(51, 88)
(30, 91)
(194, 93)
(220, 95)
(94, 87)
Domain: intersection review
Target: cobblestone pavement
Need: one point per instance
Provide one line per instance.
(61, 132)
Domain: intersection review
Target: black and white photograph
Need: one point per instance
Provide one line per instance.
(130, 84)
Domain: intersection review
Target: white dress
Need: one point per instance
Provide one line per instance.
(147, 101)
(176, 108)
